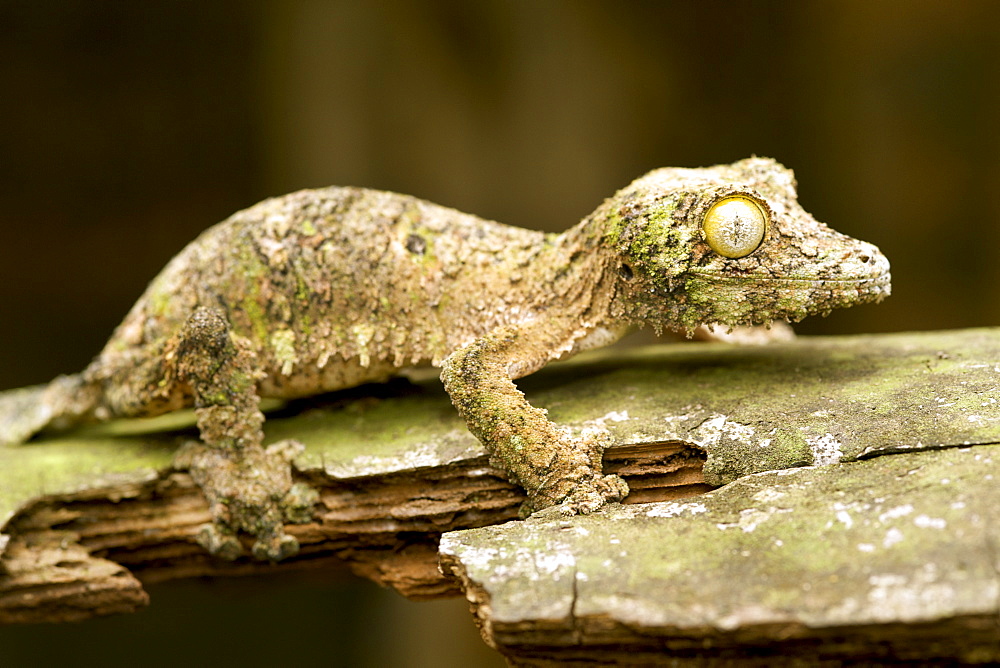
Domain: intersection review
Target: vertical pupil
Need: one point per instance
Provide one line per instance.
(741, 230)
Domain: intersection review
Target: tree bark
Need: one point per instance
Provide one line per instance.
(87, 518)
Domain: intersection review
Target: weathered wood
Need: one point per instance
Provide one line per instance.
(386, 527)
(893, 558)
(396, 468)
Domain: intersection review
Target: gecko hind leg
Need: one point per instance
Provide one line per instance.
(249, 488)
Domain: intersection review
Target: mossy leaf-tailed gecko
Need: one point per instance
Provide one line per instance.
(325, 289)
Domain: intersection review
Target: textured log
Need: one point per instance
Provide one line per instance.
(891, 559)
(395, 467)
(79, 554)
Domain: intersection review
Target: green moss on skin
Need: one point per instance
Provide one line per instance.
(320, 289)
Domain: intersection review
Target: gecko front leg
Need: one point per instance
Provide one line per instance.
(249, 488)
(554, 467)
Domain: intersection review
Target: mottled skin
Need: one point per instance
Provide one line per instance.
(325, 289)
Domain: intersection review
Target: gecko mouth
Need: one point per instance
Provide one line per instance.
(801, 290)
(878, 282)
(748, 299)
(840, 269)
(861, 273)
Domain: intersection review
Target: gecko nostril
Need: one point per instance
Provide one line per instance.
(865, 259)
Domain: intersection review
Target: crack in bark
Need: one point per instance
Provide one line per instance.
(902, 450)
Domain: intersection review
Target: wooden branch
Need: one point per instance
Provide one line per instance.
(88, 518)
(885, 560)
(66, 549)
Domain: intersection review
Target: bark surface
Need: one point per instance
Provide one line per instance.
(891, 478)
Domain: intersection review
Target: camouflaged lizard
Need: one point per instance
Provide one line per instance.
(326, 289)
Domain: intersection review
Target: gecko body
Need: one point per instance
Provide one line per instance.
(326, 289)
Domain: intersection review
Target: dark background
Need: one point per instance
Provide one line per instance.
(126, 128)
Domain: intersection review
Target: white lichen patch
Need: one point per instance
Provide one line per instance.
(894, 512)
(849, 515)
(900, 598)
(277, 222)
(691, 413)
(675, 509)
(473, 557)
(844, 518)
(751, 518)
(927, 522)
(274, 250)
(769, 495)
(892, 536)
(678, 425)
(613, 416)
(826, 449)
(414, 456)
(943, 402)
(710, 432)
(488, 563)
(555, 562)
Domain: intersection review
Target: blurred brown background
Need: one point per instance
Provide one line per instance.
(126, 128)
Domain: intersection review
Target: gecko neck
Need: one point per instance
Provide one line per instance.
(620, 297)
(578, 269)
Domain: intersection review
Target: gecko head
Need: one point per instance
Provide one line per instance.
(730, 245)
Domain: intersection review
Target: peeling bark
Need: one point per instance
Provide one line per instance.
(88, 518)
(887, 560)
(77, 555)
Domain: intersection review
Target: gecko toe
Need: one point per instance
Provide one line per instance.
(276, 549)
(219, 542)
(612, 487)
(594, 494)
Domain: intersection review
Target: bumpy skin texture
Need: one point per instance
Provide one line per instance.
(325, 289)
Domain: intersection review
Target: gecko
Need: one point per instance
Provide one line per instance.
(326, 289)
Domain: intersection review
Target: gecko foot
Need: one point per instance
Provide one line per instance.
(594, 494)
(583, 497)
(572, 481)
(249, 491)
(249, 488)
(220, 541)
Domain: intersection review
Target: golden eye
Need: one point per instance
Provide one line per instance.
(735, 226)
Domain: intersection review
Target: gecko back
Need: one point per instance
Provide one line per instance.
(329, 288)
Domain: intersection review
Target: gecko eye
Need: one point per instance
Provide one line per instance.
(735, 226)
